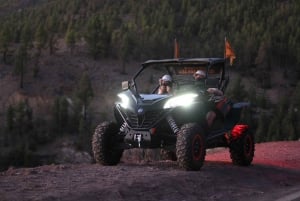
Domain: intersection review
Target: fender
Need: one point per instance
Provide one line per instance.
(238, 131)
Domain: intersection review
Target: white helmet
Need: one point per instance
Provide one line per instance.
(167, 78)
(200, 72)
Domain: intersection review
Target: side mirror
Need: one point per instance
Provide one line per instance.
(125, 85)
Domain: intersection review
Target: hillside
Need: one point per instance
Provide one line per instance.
(59, 75)
(58, 78)
(62, 62)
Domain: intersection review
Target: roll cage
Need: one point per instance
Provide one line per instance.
(182, 70)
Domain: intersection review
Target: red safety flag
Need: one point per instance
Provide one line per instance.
(229, 53)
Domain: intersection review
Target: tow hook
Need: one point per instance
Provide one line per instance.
(138, 138)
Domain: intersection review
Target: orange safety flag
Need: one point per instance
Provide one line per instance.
(229, 53)
(176, 49)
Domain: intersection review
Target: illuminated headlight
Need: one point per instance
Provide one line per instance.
(124, 101)
(184, 100)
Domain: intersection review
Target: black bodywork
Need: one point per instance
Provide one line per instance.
(146, 122)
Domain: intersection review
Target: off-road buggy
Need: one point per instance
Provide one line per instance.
(174, 122)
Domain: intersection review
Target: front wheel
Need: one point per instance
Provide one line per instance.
(242, 149)
(190, 147)
(103, 144)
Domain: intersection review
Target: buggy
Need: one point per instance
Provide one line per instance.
(174, 122)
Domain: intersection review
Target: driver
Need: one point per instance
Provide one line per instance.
(165, 85)
(200, 76)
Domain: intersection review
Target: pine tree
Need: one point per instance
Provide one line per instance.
(288, 127)
(40, 37)
(92, 36)
(70, 38)
(5, 38)
(85, 92)
(52, 29)
(26, 35)
(274, 129)
(10, 114)
(237, 92)
(20, 63)
(10, 125)
(60, 116)
(262, 129)
(263, 65)
(295, 109)
(40, 41)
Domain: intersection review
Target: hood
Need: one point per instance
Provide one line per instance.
(153, 97)
(145, 101)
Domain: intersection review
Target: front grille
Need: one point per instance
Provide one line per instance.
(145, 120)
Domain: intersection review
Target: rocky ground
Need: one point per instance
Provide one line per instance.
(274, 175)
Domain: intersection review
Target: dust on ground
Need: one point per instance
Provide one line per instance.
(274, 175)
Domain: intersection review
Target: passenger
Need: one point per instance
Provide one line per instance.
(200, 81)
(165, 85)
(200, 76)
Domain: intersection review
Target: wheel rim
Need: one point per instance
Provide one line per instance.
(248, 148)
(197, 147)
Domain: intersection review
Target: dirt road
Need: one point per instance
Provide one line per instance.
(274, 175)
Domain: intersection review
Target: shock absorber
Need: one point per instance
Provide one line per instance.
(172, 124)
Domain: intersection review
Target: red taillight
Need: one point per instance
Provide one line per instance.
(238, 130)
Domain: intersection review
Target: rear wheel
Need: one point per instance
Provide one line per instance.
(242, 149)
(103, 144)
(190, 147)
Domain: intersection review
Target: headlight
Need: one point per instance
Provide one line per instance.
(183, 100)
(124, 101)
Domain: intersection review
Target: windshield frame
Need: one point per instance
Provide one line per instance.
(173, 67)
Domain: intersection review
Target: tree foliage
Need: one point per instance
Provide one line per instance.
(85, 92)
(199, 26)
(20, 63)
(70, 38)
